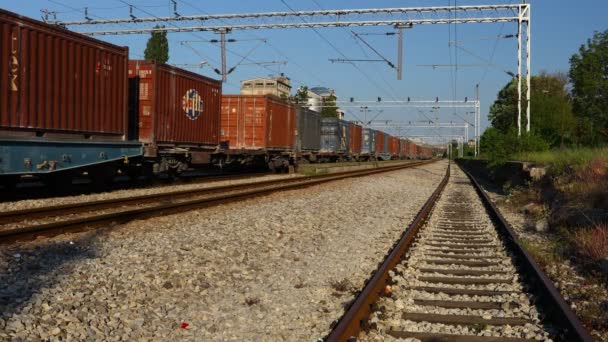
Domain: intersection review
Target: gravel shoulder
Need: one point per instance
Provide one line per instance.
(275, 268)
(586, 297)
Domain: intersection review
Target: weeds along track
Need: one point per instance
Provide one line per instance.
(462, 278)
(52, 220)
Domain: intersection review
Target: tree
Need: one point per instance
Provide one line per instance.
(503, 113)
(302, 94)
(589, 77)
(157, 48)
(329, 110)
(551, 109)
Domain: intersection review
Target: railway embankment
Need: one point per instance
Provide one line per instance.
(559, 208)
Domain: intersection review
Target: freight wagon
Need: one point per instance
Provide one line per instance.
(177, 116)
(76, 105)
(393, 147)
(308, 134)
(258, 129)
(355, 141)
(63, 99)
(403, 144)
(335, 135)
(368, 144)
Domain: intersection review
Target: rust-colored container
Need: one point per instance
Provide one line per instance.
(56, 81)
(355, 138)
(380, 144)
(257, 122)
(393, 145)
(403, 147)
(176, 107)
(418, 151)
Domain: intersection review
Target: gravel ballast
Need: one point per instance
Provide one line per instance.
(275, 268)
(458, 211)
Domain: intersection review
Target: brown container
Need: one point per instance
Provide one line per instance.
(380, 137)
(393, 145)
(257, 122)
(176, 107)
(355, 138)
(57, 81)
(403, 147)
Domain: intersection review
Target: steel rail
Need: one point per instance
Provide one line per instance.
(214, 196)
(349, 326)
(556, 307)
(557, 310)
(72, 208)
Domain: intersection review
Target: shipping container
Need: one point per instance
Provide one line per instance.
(257, 122)
(403, 148)
(380, 145)
(393, 146)
(368, 145)
(308, 130)
(410, 150)
(335, 134)
(63, 99)
(387, 142)
(355, 138)
(57, 81)
(176, 107)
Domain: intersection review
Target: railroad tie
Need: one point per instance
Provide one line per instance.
(464, 280)
(464, 319)
(462, 262)
(436, 337)
(462, 292)
(470, 272)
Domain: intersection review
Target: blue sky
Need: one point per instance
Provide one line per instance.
(558, 29)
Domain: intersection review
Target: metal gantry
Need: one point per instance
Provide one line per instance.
(397, 125)
(398, 18)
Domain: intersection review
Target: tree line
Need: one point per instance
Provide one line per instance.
(566, 109)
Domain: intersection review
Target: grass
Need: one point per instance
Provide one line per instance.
(545, 253)
(559, 161)
(592, 243)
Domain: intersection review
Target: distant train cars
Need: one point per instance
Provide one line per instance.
(70, 104)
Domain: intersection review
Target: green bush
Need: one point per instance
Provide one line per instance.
(500, 147)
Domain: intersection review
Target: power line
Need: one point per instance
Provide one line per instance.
(340, 52)
(74, 9)
(269, 45)
(389, 93)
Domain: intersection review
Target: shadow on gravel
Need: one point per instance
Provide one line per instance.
(27, 269)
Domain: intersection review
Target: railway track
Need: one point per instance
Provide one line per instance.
(53, 220)
(458, 274)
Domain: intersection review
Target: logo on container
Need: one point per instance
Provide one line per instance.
(192, 103)
(14, 64)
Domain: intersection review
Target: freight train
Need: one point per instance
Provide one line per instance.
(71, 104)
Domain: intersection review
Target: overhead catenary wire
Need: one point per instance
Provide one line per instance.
(74, 9)
(351, 34)
(306, 71)
(340, 52)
